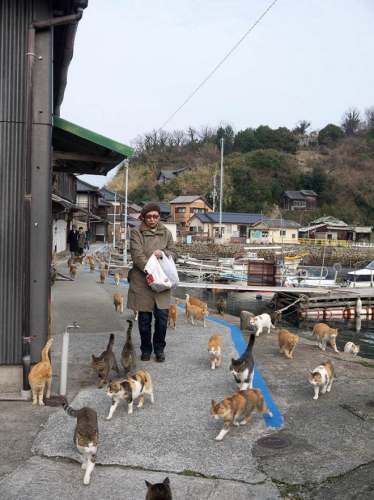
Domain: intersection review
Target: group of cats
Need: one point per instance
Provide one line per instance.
(73, 261)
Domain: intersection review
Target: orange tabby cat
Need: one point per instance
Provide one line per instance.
(90, 260)
(92, 268)
(238, 405)
(73, 272)
(287, 342)
(215, 350)
(116, 279)
(40, 376)
(193, 301)
(118, 302)
(195, 312)
(323, 334)
(173, 313)
(103, 276)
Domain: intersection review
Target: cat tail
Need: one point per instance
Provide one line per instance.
(251, 343)
(45, 351)
(69, 410)
(111, 342)
(129, 330)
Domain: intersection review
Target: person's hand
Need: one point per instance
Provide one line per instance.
(158, 254)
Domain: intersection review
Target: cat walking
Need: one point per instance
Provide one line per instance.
(128, 356)
(321, 377)
(261, 322)
(116, 279)
(103, 276)
(215, 350)
(237, 409)
(173, 313)
(243, 367)
(41, 376)
(323, 334)
(105, 363)
(287, 342)
(118, 302)
(86, 437)
(159, 491)
(196, 313)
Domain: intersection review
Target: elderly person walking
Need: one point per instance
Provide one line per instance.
(151, 237)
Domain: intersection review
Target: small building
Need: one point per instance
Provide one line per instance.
(275, 231)
(299, 200)
(330, 228)
(183, 208)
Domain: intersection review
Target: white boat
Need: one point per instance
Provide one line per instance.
(361, 278)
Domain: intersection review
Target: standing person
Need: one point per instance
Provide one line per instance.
(151, 237)
(88, 238)
(73, 240)
(81, 241)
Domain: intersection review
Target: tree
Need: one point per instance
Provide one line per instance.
(330, 135)
(351, 121)
(245, 141)
(369, 118)
(301, 127)
(226, 133)
(282, 139)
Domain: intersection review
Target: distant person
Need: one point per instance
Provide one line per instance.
(73, 240)
(81, 241)
(151, 237)
(88, 239)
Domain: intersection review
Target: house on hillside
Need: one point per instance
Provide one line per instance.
(330, 228)
(165, 176)
(183, 208)
(299, 200)
(275, 231)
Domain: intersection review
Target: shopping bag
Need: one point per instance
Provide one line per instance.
(156, 278)
(169, 268)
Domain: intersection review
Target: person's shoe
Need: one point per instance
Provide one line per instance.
(145, 357)
(160, 357)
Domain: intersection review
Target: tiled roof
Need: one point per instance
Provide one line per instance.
(84, 186)
(279, 223)
(231, 218)
(299, 195)
(186, 199)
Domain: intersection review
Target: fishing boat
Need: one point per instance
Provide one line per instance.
(361, 278)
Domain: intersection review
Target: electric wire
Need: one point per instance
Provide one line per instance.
(220, 64)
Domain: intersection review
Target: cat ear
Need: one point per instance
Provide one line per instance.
(148, 484)
(166, 480)
(213, 402)
(93, 357)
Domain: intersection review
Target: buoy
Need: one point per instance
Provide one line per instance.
(335, 312)
(358, 306)
(349, 313)
(259, 296)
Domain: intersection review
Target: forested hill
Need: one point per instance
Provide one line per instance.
(260, 164)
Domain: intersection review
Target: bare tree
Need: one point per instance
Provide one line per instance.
(351, 121)
(369, 117)
(301, 127)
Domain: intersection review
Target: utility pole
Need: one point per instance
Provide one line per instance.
(221, 192)
(214, 194)
(114, 219)
(126, 193)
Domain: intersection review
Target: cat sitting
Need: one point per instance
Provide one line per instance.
(105, 362)
(321, 377)
(86, 437)
(196, 313)
(351, 348)
(323, 334)
(130, 388)
(215, 350)
(103, 276)
(173, 313)
(243, 367)
(128, 356)
(238, 406)
(116, 279)
(118, 302)
(159, 491)
(261, 322)
(41, 376)
(287, 342)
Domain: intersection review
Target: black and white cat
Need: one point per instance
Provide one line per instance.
(243, 367)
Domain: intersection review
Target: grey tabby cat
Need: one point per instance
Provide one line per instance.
(128, 356)
(105, 362)
(159, 491)
(86, 437)
(243, 367)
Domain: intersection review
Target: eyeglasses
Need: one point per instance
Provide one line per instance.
(150, 216)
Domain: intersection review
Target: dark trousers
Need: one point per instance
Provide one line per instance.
(80, 251)
(145, 330)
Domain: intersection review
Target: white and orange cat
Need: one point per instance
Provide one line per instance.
(237, 409)
(116, 279)
(287, 342)
(173, 313)
(103, 276)
(130, 388)
(323, 334)
(41, 376)
(118, 302)
(215, 350)
(196, 313)
(261, 322)
(351, 348)
(321, 377)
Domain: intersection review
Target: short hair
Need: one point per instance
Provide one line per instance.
(74, 225)
(81, 228)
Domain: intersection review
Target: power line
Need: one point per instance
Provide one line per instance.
(220, 64)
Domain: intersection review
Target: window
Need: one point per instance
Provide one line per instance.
(180, 210)
(228, 228)
(282, 232)
(299, 204)
(293, 235)
(196, 210)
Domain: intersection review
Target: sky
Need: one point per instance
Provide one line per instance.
(136, 61)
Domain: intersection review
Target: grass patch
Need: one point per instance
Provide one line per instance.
(366, 364)
(290, 489)
(333, 479)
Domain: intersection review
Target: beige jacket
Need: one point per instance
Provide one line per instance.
(143, 243)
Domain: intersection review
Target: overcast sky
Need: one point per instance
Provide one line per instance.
(136, 61)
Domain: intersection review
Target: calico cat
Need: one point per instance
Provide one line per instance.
(41, 376)
(261, 322)
(130, 388)
(116, 279)
(128, 356)
(118, 302)
(195, 312)
(351, 348)
(323, 334)
(103, 276)
(322, 377)
(215, 350)
(221, 305)
(86, 437)
(105, 362)
(238, 405)
(159, 491)
(73, 272)
(243, 367)
(173, 313)
(194, 301)
(287, 342)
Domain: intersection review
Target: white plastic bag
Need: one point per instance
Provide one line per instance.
(169, 268)
(156, 278)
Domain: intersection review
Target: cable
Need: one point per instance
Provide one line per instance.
(220, 64)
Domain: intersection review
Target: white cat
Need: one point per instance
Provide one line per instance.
(322, 377)
(261, 322)
(351, 348)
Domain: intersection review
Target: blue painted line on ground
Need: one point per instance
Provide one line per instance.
(258, 382)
